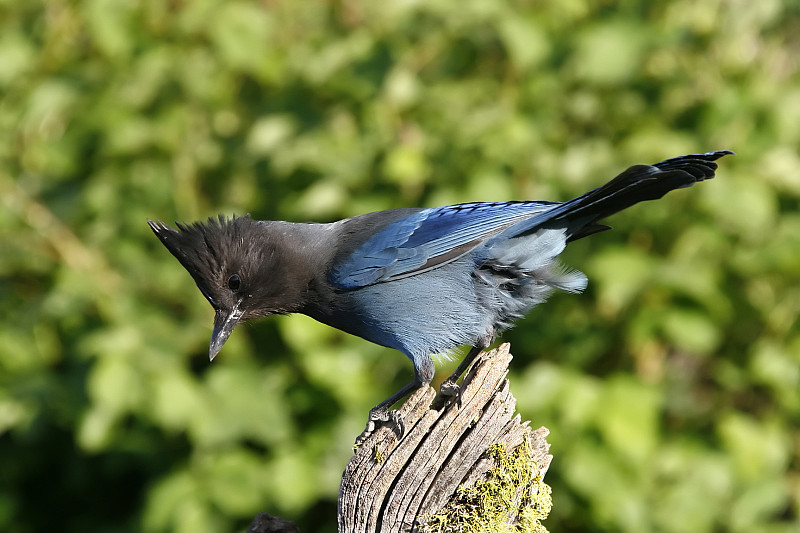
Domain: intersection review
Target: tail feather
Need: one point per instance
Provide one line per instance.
(636, 184)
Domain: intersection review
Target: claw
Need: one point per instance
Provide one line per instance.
(399, 427)
(450, 390)
(381, 414)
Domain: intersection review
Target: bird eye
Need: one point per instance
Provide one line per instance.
(234, 282)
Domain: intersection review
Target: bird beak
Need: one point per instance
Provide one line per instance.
(224, 322)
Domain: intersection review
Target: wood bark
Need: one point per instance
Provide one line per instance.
(393, 486)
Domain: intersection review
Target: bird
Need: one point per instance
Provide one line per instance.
(423, 281)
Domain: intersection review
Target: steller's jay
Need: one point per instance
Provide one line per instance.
(422, 281)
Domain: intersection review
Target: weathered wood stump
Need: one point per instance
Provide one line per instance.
(457, 468)
(464, 467)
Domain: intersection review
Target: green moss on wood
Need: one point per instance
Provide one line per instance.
(513, 498)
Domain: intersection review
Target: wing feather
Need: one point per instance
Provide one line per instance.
(428, 239)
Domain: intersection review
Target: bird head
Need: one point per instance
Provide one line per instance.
(235, 264)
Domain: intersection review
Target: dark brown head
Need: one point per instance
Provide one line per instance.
(239, 265)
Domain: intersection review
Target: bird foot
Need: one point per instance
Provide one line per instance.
(383, 415)
(450, 392)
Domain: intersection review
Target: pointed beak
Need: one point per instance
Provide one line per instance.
(224, 323)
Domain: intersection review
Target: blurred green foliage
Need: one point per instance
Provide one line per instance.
(670, 387)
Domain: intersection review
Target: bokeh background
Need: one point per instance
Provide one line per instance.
(670, 387)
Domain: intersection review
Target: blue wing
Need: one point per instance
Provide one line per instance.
(436, 236)
(427, 239)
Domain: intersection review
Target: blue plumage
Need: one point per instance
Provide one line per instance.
(406, 246)
(422, 281)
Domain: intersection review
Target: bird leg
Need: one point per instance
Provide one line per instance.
(381, 413)
(449, 387)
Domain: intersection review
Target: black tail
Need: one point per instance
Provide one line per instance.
(636, 184)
